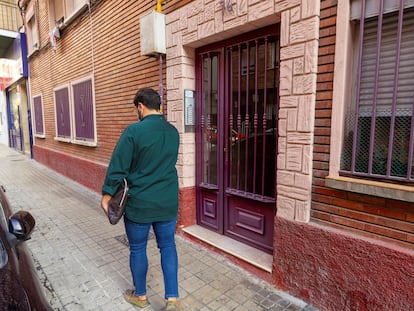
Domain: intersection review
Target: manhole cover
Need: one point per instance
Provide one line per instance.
(124, 240)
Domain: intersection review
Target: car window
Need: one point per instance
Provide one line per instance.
(3, 220)
(3, 255)
(3, 228)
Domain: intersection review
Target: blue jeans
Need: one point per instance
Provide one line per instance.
(165, 236)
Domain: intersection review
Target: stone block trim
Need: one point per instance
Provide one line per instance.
(205, 21)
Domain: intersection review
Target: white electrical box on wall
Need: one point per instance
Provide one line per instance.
(153, 34)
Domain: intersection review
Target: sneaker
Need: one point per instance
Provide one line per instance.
(173, 305)
(130, 297)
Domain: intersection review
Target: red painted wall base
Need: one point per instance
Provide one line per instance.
(87, 173)
(91, 175)
(335, 270)
(187, 209)
(328, 268)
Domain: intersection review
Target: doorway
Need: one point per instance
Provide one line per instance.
(236, 136)
(19, 118)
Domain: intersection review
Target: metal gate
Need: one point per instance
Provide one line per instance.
(237, 88)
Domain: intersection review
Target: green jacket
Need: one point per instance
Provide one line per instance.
(146, 154)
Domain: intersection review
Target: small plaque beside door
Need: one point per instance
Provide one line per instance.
(189, 110)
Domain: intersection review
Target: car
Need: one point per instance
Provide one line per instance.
(20, 287)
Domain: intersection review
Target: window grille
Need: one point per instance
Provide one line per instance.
(379, 127)
(239, 116)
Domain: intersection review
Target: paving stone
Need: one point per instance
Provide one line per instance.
(83, 261)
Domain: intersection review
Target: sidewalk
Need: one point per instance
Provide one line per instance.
(83, 261)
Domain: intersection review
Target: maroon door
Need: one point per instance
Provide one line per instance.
(237, 136)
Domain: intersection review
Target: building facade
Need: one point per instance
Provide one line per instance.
(282, 126)
(15, 122)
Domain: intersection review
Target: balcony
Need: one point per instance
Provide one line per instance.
(8, 25)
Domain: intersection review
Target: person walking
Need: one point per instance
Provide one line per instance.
(146, 154)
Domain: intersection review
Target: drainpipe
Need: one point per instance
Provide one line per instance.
(22, 5)
(161, 89)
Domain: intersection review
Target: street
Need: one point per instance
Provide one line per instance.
(83, 260)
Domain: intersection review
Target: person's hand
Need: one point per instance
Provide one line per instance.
(104, 202)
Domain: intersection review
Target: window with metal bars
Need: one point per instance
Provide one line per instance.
(379, 127)
(252, 96)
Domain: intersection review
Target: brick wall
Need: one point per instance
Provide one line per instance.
(110, 53)
(375, 217)
(8, 14)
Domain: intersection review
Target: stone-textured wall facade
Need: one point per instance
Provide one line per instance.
(205, 21)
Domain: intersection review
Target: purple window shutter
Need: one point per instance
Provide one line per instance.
(62, 112)
(38, 110)
(84, 111)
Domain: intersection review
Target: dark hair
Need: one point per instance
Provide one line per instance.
(148, 97)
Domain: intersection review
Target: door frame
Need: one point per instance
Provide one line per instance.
(214, 198)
